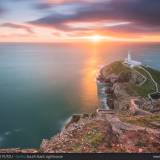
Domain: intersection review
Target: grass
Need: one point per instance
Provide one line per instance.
(155, 74)
(92, 137)
(141, 121)
(116, 68)
(95, 137)
(148, 87)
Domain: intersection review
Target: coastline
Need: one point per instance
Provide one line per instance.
(105, 130)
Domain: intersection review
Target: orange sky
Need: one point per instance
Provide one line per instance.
(45, 34)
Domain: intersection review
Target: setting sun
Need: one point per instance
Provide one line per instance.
(96, 38)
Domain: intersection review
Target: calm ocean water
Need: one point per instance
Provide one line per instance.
(41, 85)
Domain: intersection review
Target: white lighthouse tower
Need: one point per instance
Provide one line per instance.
(131, 63)
(129, 56)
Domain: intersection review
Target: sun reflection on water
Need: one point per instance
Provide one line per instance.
(88, 84)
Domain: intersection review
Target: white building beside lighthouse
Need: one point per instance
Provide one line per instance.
(131, 63)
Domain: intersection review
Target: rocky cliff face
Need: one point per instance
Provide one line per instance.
(106, 132)
(127, 128)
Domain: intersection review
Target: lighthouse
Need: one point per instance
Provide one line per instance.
(131, 63)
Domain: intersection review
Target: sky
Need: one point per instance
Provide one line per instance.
(79, 20)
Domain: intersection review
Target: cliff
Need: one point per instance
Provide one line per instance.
(104, 133)
(132, 126)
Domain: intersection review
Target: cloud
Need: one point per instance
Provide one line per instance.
(139, 11)
(143, 14)
(18, 26)
(133, 28)
(2, 9)
(42, 5)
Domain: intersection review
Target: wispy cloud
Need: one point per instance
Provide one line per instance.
(143, 14)
(18, 26)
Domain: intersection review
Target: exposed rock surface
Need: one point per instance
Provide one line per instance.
(104, 133)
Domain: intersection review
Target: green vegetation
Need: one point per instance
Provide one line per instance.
(91, 138)
(155, 74)
(119, 69)
(94, 137)
(116, 68)
(148, 86)
(144, 121)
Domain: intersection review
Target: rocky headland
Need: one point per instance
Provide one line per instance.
(132, 124)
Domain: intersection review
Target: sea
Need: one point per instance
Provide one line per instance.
(42, 85)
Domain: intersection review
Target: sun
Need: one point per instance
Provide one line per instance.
(96, 38)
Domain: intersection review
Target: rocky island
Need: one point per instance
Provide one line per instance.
(131, 124)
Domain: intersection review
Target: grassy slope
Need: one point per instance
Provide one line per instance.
(148, 87)
(155, 74)
(115, 67)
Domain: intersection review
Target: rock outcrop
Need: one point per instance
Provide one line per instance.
(103, 133)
